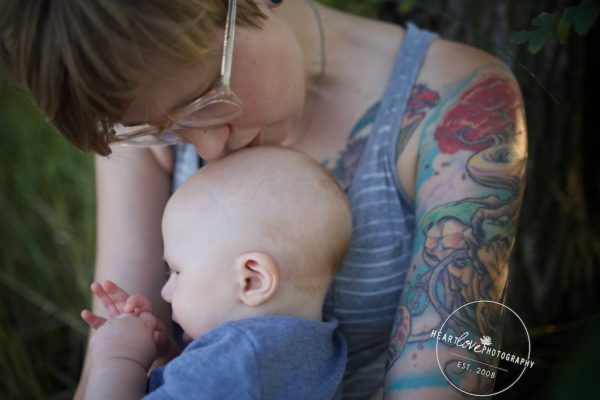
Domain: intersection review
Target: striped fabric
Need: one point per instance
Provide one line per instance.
(365, 293)
(186, 163)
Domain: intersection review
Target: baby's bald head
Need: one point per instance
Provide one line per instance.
(268, 199)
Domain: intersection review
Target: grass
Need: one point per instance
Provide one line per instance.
(47, 232)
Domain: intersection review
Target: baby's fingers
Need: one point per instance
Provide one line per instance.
(93, 320)
(105, 299)
(118, 295)
(137, 304)
(149, 319)
(165, 344)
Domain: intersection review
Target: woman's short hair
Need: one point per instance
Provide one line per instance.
(83, 62)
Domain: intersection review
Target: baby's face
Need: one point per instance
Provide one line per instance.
(201, 285)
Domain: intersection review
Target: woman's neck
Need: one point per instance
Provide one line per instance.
(359, 54)
(306, 22)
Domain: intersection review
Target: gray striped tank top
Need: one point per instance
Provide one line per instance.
(365, 293)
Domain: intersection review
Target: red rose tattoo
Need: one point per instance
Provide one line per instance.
(484, 115)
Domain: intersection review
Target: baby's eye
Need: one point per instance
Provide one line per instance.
(170, 271)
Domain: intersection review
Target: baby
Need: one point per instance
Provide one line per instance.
(253, 242)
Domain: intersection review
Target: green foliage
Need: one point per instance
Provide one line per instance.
(545, 23)
(405, 6)
(582, 17)
(47, 235)
(366, 8)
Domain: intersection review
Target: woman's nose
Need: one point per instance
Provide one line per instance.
(210, 143)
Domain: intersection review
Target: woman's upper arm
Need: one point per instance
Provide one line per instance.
(132, 190)
(468, 186)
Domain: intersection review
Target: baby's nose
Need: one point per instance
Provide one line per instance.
(165, 292)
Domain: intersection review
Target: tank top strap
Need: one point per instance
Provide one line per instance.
(381, 148)
(404, 77)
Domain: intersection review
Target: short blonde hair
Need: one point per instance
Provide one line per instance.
(84, 61)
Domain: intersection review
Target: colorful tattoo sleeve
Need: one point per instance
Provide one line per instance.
(470, 180)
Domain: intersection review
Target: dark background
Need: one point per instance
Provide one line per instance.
(554, 269)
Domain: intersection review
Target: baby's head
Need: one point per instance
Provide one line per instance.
(260, 232)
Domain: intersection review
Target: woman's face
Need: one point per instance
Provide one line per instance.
(268, 76)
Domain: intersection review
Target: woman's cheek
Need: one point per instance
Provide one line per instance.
(272, 100)
(269, 78)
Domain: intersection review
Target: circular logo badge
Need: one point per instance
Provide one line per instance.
(483, 348)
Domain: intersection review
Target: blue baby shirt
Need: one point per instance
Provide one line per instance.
(272, 357)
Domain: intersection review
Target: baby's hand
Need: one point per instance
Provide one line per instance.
(127, 338)
(136, 304)
(112, 297)
(117, 303)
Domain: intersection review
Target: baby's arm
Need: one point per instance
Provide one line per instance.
(123, 350)
(124, 345)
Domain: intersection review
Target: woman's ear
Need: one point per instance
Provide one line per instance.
(258, 277)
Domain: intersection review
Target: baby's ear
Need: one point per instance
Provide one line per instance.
(258, 277)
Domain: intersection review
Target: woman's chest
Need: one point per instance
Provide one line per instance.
(340, 131)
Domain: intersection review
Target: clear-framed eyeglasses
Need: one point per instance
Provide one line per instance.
(219, 106)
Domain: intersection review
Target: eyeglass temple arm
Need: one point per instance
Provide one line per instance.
(228, 43)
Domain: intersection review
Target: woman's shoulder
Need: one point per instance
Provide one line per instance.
(455, 80)
(448, 61)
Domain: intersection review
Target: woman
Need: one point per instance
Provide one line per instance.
(428, 137)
